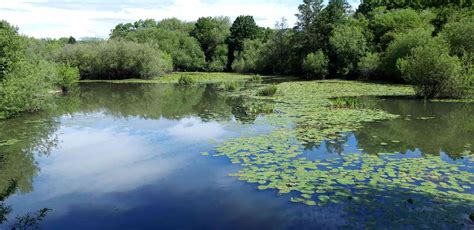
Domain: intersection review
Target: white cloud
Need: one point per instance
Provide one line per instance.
(62, 18)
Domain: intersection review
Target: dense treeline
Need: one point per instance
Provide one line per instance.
(425, 43)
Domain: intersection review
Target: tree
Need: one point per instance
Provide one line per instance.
(347, 45)
(274, 57)
(308, 12)
(71, 40)
(315, 25)
(432, 71)
(173, 37)
(116, 59)
(369, 66)
(247, 61)
(387, 24)
(211, 33)
(460, 35)
(12, 49)
(174, 24)
(244, 27)
(316, 65)
(401, 47)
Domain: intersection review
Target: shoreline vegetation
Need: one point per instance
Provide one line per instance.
(426, 44)
(199, 77)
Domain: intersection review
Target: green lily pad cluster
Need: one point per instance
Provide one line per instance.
(303, 114)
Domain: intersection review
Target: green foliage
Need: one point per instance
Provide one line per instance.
(170, 36)
(400, 48)
(211, 33)
(387, 24)
(460, 35)
(242, 29)
(186, 80)
(367, 6)
(247, 60)
(275, 53)
(219, 60)
(268, 91)
(27, 80)
(316, 65)
(348, 44)
(116, 59)
(12, 47)
(369, 66)
(67, 76)
(27, 87)
(432, 71)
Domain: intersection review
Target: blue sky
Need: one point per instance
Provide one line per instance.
(89, 18)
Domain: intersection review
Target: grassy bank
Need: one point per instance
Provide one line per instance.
(199, 77)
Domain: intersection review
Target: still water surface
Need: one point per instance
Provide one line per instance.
(128, 156)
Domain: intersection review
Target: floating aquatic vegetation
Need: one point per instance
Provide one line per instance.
(303, 114)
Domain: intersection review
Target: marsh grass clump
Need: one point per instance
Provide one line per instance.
(346, 102)
(256, 78)
(268, 91)
(230, 85)
(186, 81)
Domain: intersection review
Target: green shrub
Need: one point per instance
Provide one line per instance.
(316, 65)
(400, 48)
(67, 76)
(12, 47)
(347, 44)
(460, 36)
(116, 60)
(27, 80)
(432, 71)
(186, 80)
(27, 87)
(246, 61)
(268, 91)
(169, 35)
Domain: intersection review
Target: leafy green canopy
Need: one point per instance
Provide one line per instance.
(116, 59)
(171, 36)
(27, 80)
(433, 71)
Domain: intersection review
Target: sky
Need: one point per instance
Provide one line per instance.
(95, 18)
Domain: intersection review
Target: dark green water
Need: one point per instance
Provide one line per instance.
(128, 156)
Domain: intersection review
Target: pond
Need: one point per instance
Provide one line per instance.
(139, 156)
